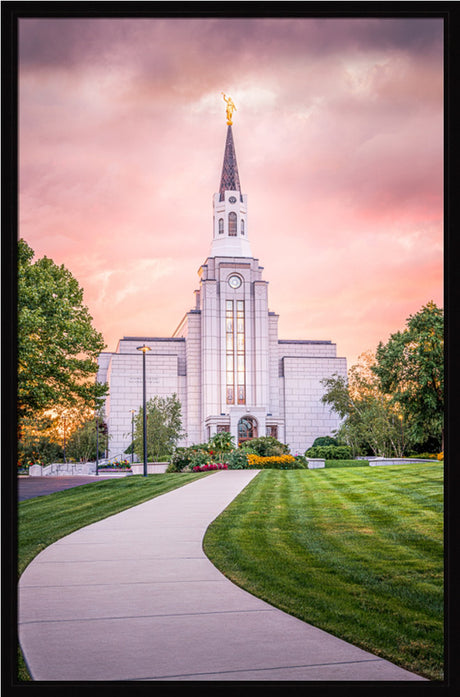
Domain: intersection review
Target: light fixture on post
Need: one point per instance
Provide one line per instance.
(144, 350)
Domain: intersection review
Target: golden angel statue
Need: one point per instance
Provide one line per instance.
(230, 108)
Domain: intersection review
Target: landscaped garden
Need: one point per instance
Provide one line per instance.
(354, 550)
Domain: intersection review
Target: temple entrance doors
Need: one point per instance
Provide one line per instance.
(247, 429)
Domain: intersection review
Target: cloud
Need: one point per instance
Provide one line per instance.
(338, 134)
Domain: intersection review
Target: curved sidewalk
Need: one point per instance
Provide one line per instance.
(133, 597)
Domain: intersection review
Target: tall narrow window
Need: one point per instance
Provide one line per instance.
(240, 352)
(229, 368)
(242, 227)
(232, 224)
(221, 226)
(235, 367)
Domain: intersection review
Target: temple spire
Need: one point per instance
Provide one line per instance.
(230, 237)
(230, 180)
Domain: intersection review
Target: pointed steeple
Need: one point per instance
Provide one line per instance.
(230, 206)
(230, 180)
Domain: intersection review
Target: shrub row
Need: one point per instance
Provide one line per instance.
(329, 452)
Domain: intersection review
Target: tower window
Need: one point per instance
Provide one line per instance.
(221, 226)
(235, 352)
(230, 371)
(232, 224)
(242, 227)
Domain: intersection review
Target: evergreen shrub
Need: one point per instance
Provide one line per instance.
(325, 440)
(329, 452)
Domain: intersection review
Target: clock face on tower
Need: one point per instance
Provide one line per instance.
(232, 199)
(234, 281)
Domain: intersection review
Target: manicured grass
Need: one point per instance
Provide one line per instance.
(45, 519)
(356, 552)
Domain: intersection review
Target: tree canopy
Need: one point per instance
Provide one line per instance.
(83, 443)
(57, 344)
(393, 401)
(371, 423)
(410, 367)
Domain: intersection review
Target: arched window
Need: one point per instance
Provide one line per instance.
(247, 429)
(242, 227)
(221, 226)
(232, 224)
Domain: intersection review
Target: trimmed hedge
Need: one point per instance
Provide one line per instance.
(329, 452)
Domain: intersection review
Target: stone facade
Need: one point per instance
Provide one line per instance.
(225, 361)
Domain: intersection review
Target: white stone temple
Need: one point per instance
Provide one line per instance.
(225, 361)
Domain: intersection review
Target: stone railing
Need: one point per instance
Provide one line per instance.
(377, 461)
(315, 463)
(58, 469)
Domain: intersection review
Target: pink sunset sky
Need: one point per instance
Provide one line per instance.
(339, 141)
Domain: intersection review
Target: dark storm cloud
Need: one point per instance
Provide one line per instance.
(64, 42)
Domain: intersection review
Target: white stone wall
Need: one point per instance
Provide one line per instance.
(306, 417)
(260, 358)
(104, 364)
(192, 423)
(313, 348)
(274, 392)
(126, 391)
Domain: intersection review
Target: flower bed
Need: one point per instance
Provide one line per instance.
(117, 465)
(209, 466)
(287, 462)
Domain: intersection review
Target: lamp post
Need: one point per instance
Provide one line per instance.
(64, 440)
(97, 445)
(132, 437)
(144, 350)
(400, 417)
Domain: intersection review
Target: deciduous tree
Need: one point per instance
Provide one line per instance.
(164, 428)
(371, 422)
(410, 367)
(83, 441)
(57, 344)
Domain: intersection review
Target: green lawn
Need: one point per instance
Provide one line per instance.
(357, 552)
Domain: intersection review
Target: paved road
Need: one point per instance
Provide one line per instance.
(133, 597)
(29, 487)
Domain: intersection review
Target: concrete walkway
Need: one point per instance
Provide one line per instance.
(133, 597)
